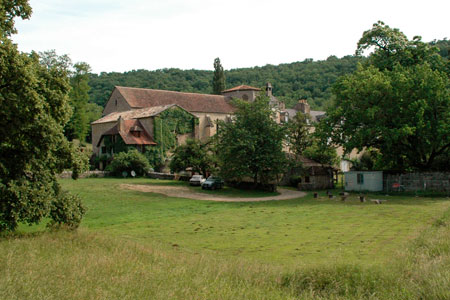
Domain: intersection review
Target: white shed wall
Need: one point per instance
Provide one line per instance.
(373, 181)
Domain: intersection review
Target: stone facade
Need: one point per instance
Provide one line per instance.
(207, 126)
(97, 132)
(116, 103)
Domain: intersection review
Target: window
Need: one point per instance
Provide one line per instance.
(245, 97)
(360, 178)
(104, 149)
(307, 179)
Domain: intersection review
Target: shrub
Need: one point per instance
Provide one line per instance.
(295, 180)
(66, 211)
(129, 161)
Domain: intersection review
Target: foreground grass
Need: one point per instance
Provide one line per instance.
(87, 265)
(303, 231)
(82, 265)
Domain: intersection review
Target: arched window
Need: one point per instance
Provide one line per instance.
(245, 97)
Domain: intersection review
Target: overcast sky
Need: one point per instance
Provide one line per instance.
(122, 35)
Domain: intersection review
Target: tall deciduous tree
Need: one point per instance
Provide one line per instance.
(78, 125)
(299, 135)
(194, 154)
(252, 145)
(398, 102)
(219, 77)
(33, 149)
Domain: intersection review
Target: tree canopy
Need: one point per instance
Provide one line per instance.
(78, 125)
(218, 83)
(33, 149)
(194, 154)
(252, 145)
(299, 136)
(398, 102)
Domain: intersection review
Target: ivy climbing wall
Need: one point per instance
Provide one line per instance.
(169, 124)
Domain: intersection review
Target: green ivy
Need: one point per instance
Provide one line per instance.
(169, 124)
(118, 146)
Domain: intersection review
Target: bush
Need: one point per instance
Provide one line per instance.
(66, 211)
(129, 161)
(295, 180)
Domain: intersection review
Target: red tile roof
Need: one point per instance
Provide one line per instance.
(133, 114)
(192, 102)
(127, 126)
(241, 88)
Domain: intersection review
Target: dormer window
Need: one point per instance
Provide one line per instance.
(136, 131)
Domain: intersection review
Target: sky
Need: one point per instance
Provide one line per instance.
(125, 35)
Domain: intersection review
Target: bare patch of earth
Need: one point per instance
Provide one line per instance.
(185, 192)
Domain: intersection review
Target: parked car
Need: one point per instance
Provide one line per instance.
(213, 183)
(196, 180)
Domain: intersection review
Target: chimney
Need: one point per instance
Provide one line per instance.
(269, 89)
(120, 123)
(303, 106)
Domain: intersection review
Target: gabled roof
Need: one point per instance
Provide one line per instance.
(241, 88)
(124, 129)
(134, 114)
(192, 102)
(316, 115)
(306, 162)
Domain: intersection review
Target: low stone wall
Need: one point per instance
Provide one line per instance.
(168, 176)
(68, 174)
(156, 175)
(411, 182)
(318, 182)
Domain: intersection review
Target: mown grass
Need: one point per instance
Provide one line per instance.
(135, 245)
(89, 265)
(298, 231)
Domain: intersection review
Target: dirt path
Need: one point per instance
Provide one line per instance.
(185, 192)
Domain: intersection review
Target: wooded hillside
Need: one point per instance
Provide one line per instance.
(307, 79)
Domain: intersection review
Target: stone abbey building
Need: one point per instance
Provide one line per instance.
(130, 115)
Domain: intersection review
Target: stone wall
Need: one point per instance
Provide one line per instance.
(429, 181)
(316, 182)
(116, 103)
(68, 174)
(97, 132)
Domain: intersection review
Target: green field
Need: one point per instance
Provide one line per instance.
(176, 248)
(299, 231)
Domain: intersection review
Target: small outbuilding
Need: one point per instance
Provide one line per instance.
(371, 181)
(311, 175)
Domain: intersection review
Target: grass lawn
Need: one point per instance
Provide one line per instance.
(135, 245)
(289, 232)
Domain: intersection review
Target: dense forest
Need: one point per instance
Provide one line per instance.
(307, 79)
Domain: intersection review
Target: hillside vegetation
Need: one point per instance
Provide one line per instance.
(291, 82)
(307, 79)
